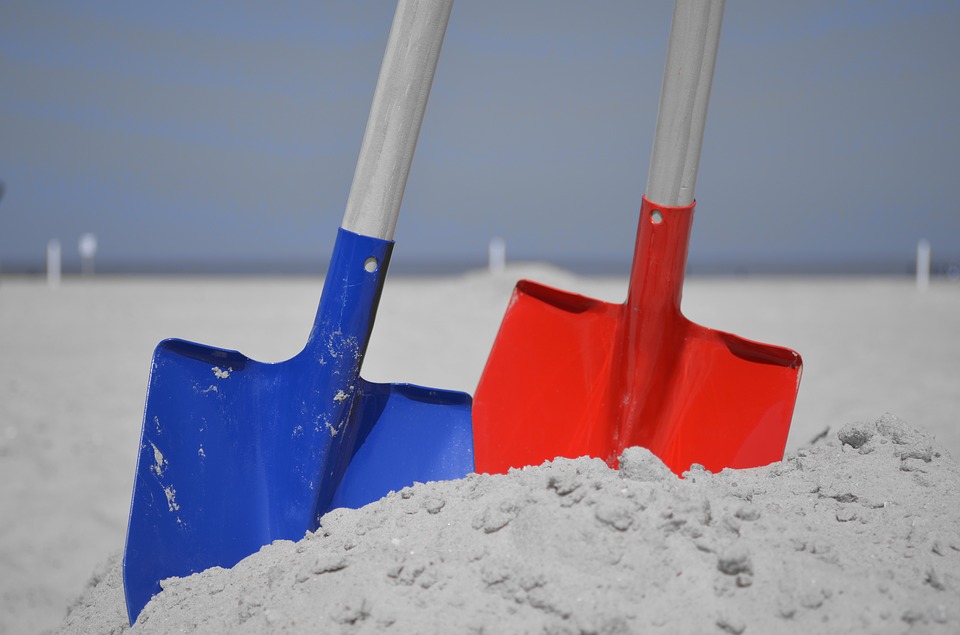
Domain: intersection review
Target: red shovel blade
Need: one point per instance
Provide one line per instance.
(572, 376)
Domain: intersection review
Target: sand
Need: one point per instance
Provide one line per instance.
(858, 533)
(73, 365)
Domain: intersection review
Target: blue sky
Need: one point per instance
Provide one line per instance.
(209, 134)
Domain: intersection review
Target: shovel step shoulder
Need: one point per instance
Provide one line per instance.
(407, 434)
(544, 380)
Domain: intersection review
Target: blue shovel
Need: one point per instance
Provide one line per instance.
(237, 453)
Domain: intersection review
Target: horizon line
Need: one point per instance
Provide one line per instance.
(948, 268)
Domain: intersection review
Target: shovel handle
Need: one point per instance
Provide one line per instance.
(691, 56)
(399, 101)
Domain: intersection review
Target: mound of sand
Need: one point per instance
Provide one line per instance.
(859, 532)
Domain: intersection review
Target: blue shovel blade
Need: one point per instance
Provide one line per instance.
(236, 453)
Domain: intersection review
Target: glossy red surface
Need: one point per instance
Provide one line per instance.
(572, 376)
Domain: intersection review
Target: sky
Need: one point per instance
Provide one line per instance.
(223, 135)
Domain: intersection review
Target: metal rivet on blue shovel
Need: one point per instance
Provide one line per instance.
(237, 453)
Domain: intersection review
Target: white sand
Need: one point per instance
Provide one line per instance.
(73, 365)
(855, 534)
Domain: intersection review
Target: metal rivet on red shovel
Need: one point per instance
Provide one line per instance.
(572, 376)
(237, 453)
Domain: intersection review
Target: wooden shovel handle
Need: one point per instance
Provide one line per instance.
(691, 56)
(399, 101)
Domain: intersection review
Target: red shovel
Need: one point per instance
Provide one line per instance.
(572, 376)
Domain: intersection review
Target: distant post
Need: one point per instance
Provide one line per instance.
(3, 189)
(497, 255)
(53, 263)
(87, 246)
(923, 265)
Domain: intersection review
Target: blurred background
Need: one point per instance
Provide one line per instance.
(222, 137)
(216, 137)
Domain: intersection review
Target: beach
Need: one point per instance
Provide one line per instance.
(74, 362)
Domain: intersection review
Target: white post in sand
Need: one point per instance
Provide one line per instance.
(53, 263)
(497, 255)
(923, 265)
(87, 246)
